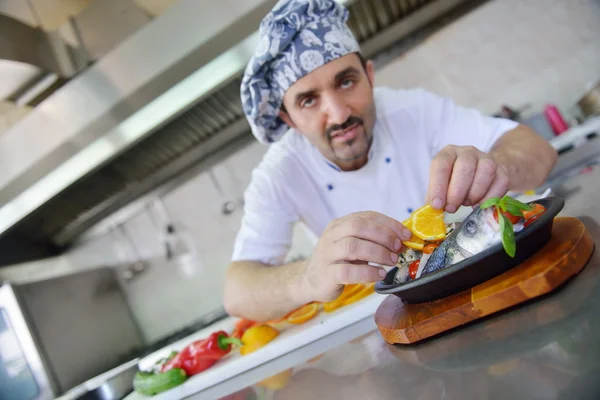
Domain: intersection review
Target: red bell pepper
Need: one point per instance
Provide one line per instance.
(202, 354)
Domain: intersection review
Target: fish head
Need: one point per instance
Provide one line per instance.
(478, 232)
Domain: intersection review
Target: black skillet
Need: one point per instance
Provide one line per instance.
(478, 268)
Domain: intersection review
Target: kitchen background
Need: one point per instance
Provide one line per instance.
(513, 52)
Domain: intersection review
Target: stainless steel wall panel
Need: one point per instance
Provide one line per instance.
(161, 54)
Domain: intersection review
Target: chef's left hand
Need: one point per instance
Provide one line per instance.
(463, 175)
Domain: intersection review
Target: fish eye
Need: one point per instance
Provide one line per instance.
(471, 228)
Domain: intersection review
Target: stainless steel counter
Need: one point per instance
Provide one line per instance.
(548, 348)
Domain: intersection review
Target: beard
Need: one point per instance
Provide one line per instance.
(353, 149)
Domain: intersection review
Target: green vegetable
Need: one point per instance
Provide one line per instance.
(492, 201)
(149, 383)
(508, 204)
(513, 207)
(508, 235)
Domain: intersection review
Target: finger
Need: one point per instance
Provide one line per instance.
(400, 230)
(369, 229)
(355, 249)
(484, 177)
(500, 186)
(439, 176)
(462, 177)
(357, 273)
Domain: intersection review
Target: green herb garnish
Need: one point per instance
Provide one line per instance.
(508, 235)
(512, 206)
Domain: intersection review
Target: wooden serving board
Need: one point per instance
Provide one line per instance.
(564, 256)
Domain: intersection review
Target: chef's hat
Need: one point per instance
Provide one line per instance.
(296, 37)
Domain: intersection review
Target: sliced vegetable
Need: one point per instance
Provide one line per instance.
(149, 383)
(430, 247)
(413, 268)
(538, 209)
(512, 218)
(531, 220)
(256, 337)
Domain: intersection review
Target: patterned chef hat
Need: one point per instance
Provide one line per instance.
(296, 37)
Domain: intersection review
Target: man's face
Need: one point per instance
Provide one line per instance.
(333, 107)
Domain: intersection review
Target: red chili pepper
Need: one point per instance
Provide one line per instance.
(202, 354)
(174, 362)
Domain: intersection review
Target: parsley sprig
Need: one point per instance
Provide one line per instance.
(512, 206)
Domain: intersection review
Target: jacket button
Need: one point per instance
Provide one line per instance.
(387, 160)
(330, 186)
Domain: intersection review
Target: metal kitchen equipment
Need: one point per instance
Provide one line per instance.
(58, 333)
(112, 385)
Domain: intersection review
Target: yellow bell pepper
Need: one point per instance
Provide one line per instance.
(256, 337)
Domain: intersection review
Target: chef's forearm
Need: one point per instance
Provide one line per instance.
(260, 293)
(527, 157)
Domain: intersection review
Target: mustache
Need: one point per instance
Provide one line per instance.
(349, 122)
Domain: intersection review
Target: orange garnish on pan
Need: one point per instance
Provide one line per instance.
(427, 223)
(415, 242)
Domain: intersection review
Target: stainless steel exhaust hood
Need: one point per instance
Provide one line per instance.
(160, 103)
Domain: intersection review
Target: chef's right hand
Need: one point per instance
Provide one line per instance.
(346, 247)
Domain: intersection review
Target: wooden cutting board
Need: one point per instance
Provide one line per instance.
(564, 256)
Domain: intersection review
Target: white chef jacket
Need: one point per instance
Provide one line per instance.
(294, 182)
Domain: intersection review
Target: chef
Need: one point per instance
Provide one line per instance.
(349, 160)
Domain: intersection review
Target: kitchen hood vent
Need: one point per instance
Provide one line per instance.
(200, 132)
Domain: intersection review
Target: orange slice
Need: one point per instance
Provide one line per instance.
(349, 290)
(304, 313)
(427, 223)
(364, 292)
(415, 242)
